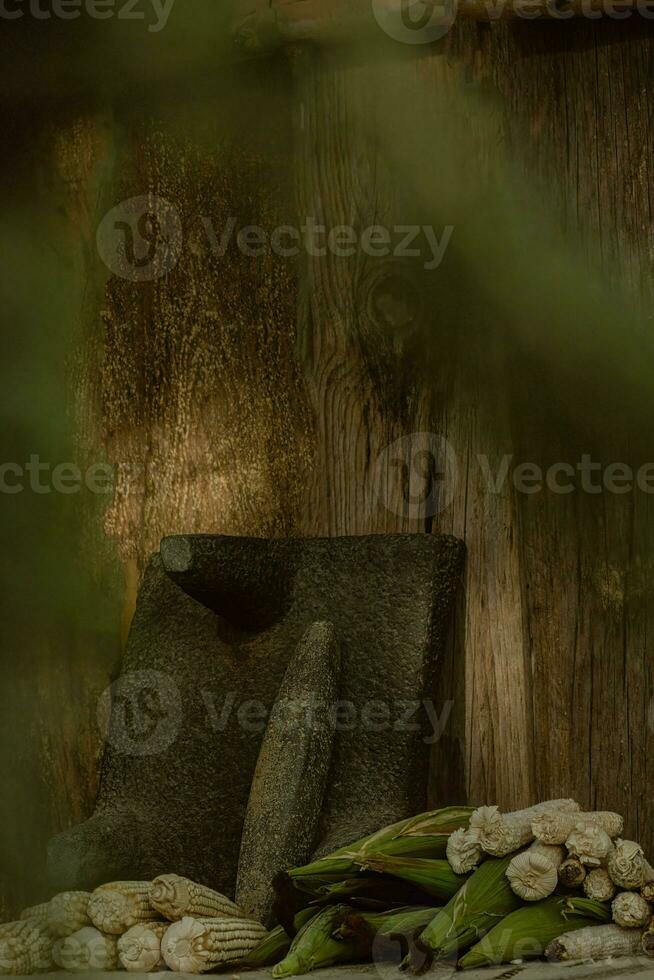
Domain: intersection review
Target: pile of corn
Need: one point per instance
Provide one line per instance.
(474, 886)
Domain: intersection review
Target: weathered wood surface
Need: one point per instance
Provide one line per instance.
(230, 412)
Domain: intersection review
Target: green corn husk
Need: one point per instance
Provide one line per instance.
(315, 946)
(275, 945)
(485, 898)
(376, 892)
(424, 835)
(391, 934)
(525, 934)
(436, 878)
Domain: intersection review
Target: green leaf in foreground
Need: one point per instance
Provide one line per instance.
(526, 933)
(485, 898)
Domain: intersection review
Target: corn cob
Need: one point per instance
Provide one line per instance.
(572, 873)
(37, 913)
(390, 934)
(139, 949)
(68, 912)
(631, 911)
(533, 874)
(628, 867)
(555, 826)
(175, 897)
(25, 947)
(525, 933)
(198, 945)
(590, 844)
(88, 949)
(596, 943)
(647, 891)
(435, 878)
(464, 852)
(315, 946)
(502, 833)
(116, 907)
(425, 835)
(647, 941)
(274, 947)
(598, 885)
(470, 914)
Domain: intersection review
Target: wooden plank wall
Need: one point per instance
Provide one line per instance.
(260, 397)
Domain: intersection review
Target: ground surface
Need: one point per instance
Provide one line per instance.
(605, 970)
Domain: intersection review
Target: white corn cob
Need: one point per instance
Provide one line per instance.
(631, 911)
(174, 897)
(598, 885)
(533, 874)
(555, 826)
(139, 949)
(37, 913)
(87, 950)
(116, 907)
(502, 833)
(628, 867)
(198, 945)
(595, 942)
(25, 947)
(572, 873)
(590, 844)
(68, 912)
(463, 850)
(647, 942)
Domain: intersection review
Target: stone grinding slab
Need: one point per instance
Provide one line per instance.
(216, 623)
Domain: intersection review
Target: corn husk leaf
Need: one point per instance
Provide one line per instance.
(376, 892)
(424, 835)
(436, 878)
(315, 946)
(485, 899)
(526, 933)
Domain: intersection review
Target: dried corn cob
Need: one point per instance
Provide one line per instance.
(37, 913)
(631, 911)
(276, 944)
(502, 833)
(533, 874)
(464, 852)
(647, 941)
(596, 943)
(474, 910)
(598, 885)
(572, 873)
(68, 912)
(139, 949)
(119, 905)
(555, 826)
(88, 949)
(198, 945)
(435, 878)
(628, 867)
(315, 946)
(590, 844)
(647, 891)
(175, 897)
(525, 933)
(25, 947)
